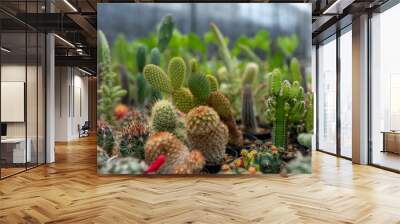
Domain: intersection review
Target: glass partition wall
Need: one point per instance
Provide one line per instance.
(334, 94)
(385, 89)
(22, 78)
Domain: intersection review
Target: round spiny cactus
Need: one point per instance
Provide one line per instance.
(176, 71)
(157, 78)
(213, 83)
(132, 140)
(207, 133)
(183, 99)
(199, 86)
(202, 120)
(163, 116)
(165, 143)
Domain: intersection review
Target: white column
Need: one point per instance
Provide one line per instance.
(360, 90)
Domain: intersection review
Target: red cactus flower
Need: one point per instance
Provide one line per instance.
(156, 164)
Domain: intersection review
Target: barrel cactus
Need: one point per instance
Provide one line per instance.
(133, 139)
(207, 133)
(163, 117)
(285, 103)
(165, 143)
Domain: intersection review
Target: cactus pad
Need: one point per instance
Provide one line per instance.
(183, 99)
(157, 78)
(176, 71)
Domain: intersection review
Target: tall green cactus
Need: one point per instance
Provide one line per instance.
(110, 92)
(310, 112)
(165, 33)
(285, 103)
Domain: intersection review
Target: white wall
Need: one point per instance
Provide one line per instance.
(71, 94)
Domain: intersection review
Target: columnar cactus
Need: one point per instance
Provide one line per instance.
(248, 118)
(133, 139)
(250, 73)
(165, 143)
(285, 103)
(207, 133)
(110, 92)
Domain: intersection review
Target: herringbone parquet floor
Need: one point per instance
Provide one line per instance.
(70, 191)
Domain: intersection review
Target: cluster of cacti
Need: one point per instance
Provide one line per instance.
(128, 165)
(110, 92)
(285, 103)
(133, 139)
(207, 133)
(104, 137)
(248, 117)
(102, 157)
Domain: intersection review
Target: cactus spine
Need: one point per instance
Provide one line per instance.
(248, 118)
(285, 103)
(207, 133)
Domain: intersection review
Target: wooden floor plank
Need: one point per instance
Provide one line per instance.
(70, 191)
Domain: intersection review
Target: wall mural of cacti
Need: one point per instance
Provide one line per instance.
(190, 103)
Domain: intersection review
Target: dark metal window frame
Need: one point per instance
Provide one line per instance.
(44, 80)
(381, 9)
(339, 32)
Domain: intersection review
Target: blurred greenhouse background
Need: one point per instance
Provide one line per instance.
(137, 20)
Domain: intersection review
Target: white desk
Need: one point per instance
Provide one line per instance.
(19, 155)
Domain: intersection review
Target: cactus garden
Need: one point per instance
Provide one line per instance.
(186, 103)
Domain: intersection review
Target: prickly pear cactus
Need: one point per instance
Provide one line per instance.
(220, 103)
(157, 78)
(183, 99)
(213, 82)
(199, 86)
(176, 72)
